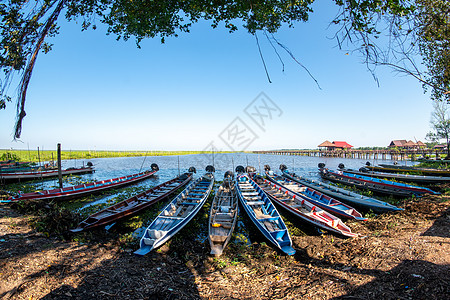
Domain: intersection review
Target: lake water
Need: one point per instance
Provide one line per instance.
(171, 166)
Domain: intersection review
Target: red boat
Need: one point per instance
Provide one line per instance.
(302, 208)
(80, 190)
(134, 204)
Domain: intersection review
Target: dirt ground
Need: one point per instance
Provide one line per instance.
(402, 255)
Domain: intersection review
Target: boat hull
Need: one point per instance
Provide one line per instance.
(222, 217)
(406, 169)
(347, 196)
(305, 210)
(402, 177)
(263, 214)
(133, 205)
(26, 176)
(317, 198)
(374, 184)
(176, 214)
(83, 189)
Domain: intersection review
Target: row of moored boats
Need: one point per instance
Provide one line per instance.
(317, 203)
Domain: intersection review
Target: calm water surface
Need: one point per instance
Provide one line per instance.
(171, 166)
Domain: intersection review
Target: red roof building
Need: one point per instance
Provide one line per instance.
(342, 145)
(336, 145)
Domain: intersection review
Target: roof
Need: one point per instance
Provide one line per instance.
(419, 143)
(439, 146)
(410, 144)
(398, 143)
(339, 144)
(326, 144)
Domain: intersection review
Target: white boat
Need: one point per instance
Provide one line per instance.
(263, 213)
(223, 215)
(177, 213)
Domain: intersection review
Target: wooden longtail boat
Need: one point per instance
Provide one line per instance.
(302, 208)
(81, 190)
(341, 194)
(32, 175)
(377, 185)
(223, 215)
(134, 204)
(12, 163)
(262, 212)
(394, 176)
(26, 169)
(315, 197)
(407, 169)
(177, 213)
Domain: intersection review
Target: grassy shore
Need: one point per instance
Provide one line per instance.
(49, 155)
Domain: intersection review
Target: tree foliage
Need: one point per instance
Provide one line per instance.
(434, 44)
(386, 32)
(440, 124)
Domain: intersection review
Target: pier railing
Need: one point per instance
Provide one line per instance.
(412, 154)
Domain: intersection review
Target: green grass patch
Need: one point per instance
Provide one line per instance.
(51, 155)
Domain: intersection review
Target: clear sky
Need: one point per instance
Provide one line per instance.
(203, 89)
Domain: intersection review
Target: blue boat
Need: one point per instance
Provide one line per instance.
(418, 179)
(177, 213)
(355, 199)
(262, 212)
(317, 198)
(377, 185)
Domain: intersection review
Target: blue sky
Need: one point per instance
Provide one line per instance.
(93, 92)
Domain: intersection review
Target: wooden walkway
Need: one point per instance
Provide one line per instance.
(362, 154)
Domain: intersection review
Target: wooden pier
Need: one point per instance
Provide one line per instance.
(387, 154)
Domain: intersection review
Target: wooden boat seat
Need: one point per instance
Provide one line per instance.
(250, 193)
(192, 198)
(260, 214)
(254, 203)
(223, 217)
(188, 203)
(218, 238)
(246, 186)
(156, 234)
(271, 226)
(252, 198)
(199, 188)
(196, 194)
(148, 242)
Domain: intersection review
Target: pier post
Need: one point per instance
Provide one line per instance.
(59, 166)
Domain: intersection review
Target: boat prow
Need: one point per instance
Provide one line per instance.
(288, 250)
